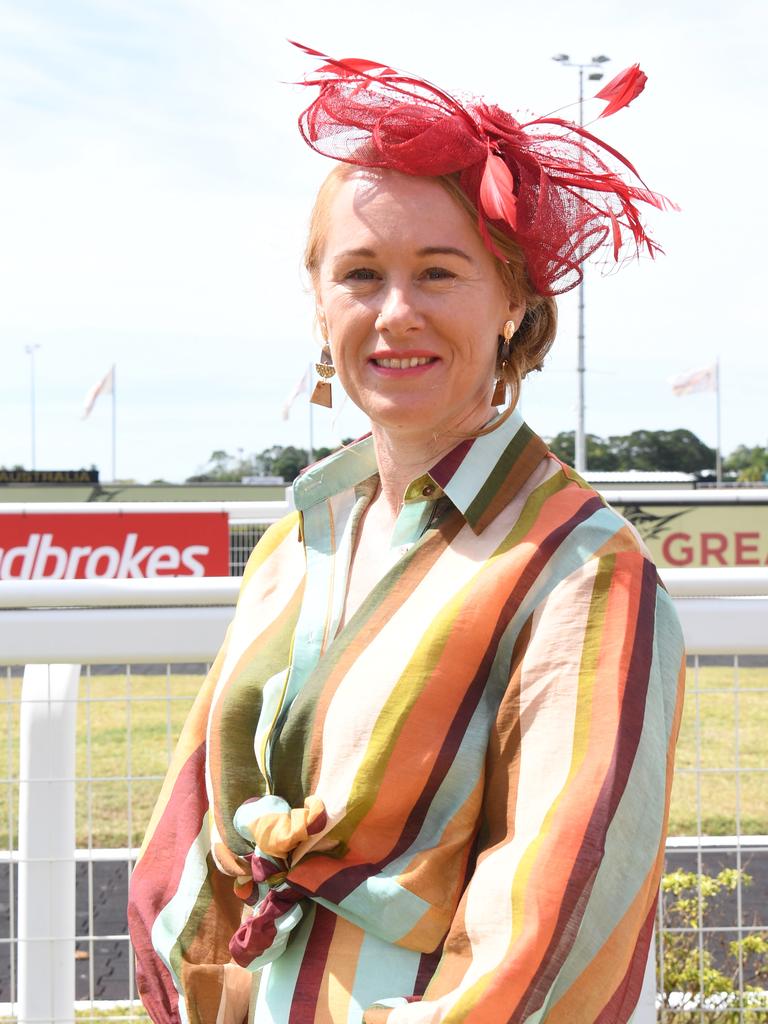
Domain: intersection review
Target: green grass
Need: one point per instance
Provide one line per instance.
(126, 1013)
(133, 722)
(127, 725)
(724, 727)
(114, 1013)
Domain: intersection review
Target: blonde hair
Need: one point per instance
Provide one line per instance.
(535, 333)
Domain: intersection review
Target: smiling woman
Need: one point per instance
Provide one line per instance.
(427, 778)
(413, 307)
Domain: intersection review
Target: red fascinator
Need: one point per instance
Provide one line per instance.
(557, 190)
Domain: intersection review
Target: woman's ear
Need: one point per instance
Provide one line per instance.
(517, 308)
(321, 321)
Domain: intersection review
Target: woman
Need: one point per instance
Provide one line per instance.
(427, 778)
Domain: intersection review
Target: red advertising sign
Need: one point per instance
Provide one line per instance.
(113, 545)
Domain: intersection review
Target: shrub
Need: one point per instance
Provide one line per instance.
(695, 979)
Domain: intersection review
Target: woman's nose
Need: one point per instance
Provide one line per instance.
(399, 310)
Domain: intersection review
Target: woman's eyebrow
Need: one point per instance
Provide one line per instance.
(355, 252)
(444, 250)
(429, 250)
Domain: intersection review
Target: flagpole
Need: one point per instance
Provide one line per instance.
(580, 434)
(311, 452)
(114, 419)
(718, 453)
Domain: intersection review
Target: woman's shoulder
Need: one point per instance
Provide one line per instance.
(592, 546)
(577, 512)
(278, 545)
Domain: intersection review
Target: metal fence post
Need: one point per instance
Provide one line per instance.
(645, 1012)
(46, 931)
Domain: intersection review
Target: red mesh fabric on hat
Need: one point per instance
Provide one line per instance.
(560, 192)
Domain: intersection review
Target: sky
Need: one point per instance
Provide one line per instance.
(154, 197)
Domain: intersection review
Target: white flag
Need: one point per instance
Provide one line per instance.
(301, 386)
(696, 380)
(106, 386)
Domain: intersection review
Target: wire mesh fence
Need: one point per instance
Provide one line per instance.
(712, 932)
(243, 536)
(712, 929)
(128, 721)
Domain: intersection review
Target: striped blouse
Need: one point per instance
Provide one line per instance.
(450, 807)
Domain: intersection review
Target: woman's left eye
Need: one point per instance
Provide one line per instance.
(438, 274)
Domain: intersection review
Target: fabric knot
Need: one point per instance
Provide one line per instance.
(276, 828)
(277, 879)
(263, 872)
(263, 936)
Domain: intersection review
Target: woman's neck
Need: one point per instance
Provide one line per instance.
(400, 464)
(402, 458)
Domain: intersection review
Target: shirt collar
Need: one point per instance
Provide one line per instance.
(480, 475)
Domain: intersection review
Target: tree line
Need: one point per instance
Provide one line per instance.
(285, 462)
(663, 450)
(646, 450)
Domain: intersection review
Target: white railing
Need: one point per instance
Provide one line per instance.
(96, 622)
(184, 618)
(51, 626)
(262, 512)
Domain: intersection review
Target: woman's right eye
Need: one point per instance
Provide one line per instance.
(360, 274)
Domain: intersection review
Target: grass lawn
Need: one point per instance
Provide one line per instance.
(723, 733)
(125, 1013)
(127, 726)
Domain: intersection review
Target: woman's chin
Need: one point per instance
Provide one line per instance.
(410, 412)
(415, 415)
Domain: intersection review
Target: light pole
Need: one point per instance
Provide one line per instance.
(30, 350)
(580, 441)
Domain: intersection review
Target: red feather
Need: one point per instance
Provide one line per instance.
(487, 240)
(622, 89)
(407, 85)
(616, 234)
(497, 191)
(354, 65)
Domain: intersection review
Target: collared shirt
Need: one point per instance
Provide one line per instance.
(449, 806)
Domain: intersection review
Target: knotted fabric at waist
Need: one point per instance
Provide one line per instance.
(275, 829)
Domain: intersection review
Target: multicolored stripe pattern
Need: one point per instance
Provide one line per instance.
(450, 807)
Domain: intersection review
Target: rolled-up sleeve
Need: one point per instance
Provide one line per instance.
(557, 918)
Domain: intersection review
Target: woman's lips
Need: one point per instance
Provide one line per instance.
(410, 363)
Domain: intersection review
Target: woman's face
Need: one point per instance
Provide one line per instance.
(412, 304)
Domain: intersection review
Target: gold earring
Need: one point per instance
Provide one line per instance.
(322, 395)
(505, 354)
